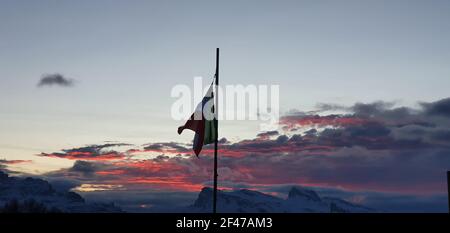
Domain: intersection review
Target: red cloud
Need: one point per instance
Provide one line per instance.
(168, 174)
(111, 172)
(14, 161)
(167, 183)
(291, 122)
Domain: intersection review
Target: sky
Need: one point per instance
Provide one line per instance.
(124, 57)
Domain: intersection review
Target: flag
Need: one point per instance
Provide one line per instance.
(202, 122)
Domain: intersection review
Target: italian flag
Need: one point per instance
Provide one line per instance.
(203, 126)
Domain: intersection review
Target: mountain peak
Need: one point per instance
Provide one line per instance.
(298, 192)
(300, 200)
(37, 195)
(236, 201)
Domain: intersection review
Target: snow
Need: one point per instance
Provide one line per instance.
(37, 195)
(300, 200)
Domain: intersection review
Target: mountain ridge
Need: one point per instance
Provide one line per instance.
(35, 195)
(299, 200)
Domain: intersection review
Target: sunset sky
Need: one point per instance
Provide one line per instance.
(364, 89)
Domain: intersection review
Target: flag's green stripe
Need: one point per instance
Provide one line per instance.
(210, 132)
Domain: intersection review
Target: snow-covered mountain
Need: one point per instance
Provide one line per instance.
(37, 195)
(300, 200)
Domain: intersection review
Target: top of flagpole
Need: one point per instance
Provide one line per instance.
(217, 66)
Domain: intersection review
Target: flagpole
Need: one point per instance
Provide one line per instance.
(448, 190)
(216, 122)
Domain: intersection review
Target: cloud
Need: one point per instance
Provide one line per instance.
(161, 173)
(85, 167)
(55, 79)
(374, 147)
(438, 108)
(92, 152)
(4, 161)
(4, 164)
(295, 122)
(166, 147)
(267, 135)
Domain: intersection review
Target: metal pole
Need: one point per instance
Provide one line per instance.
(216, 122)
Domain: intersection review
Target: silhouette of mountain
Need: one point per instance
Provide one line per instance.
(34, 195)
(300, 200)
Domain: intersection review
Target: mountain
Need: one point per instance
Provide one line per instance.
(34, 195)
(299, 200)
(240, 201)
(339, 205)
(37, 195)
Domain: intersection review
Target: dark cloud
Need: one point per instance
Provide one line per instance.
(438, 108)
(95, 149)
(282, 139)
(268, 134)
(223, 141)
(166, 146)
(55, 79)
(440, 135)
(371, 109)
(85, 167)
(62, 184)
(92, 152)
(322, 107)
